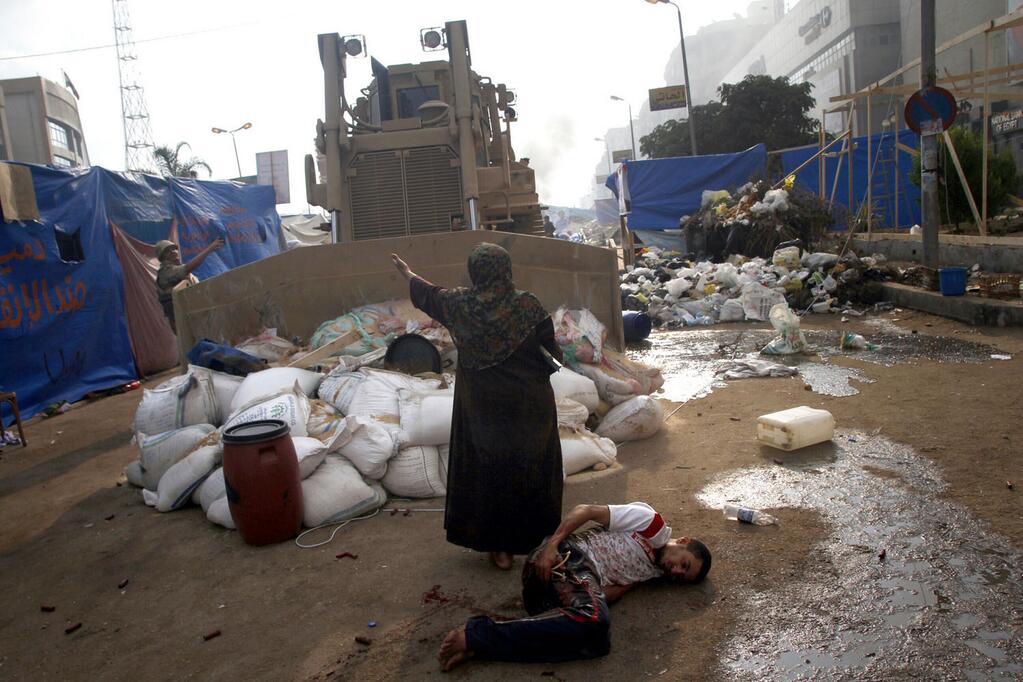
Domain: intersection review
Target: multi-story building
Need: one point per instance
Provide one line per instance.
(840, 46)
(711, 52)
(5, 140)
(39, 123)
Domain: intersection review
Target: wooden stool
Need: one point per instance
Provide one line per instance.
(9, 397)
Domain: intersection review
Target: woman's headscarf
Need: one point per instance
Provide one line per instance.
(490, 319)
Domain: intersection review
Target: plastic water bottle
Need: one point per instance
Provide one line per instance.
(734, 512)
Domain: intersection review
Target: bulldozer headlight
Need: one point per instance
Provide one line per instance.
(432, 39)
(355, 46)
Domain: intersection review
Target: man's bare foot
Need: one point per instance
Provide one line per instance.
(453, 650)
(502, 560)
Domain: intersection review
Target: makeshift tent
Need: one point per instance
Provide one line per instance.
(884, 195)
(78, 307)
(663, 190)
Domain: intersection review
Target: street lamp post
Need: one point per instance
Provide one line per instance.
(685, 74)
(607, 151)
(632, 130)
(244, 126)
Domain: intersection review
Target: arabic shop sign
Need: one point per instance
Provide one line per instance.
(1006, 122)
(811, 30)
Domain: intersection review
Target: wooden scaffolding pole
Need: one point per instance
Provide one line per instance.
(962, 178)
(820, 163)
(870, 169)
(982, 224)
(849, 166)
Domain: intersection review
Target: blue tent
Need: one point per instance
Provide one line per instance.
(884, 196)
(663, 190)
(64, 324)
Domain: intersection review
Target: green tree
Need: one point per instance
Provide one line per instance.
(756, 109)
(954, 207)
(170, 162)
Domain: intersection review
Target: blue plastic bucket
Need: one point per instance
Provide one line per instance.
(637, 325)
(953, 281)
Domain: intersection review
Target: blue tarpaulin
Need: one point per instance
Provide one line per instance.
(63, 323)
(884, 197)
(664, 190)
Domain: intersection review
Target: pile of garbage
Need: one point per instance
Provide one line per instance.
(676, 292)
(363, 432)
(755, 220)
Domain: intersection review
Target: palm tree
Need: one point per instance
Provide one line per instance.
(170, 162)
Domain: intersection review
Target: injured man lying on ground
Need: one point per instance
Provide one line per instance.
(569, 580)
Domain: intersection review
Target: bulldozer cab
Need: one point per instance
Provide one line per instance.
(425, 147)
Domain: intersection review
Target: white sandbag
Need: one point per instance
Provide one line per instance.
(177, 485)
(731, 311)
(569, 384)
(211, 490)
(181, 401)
(327, 425)
(133, 472)
(425, 416)
(336, 492)
(224, 387)
(273, 381)
(338, 388)
(571, 413)
(416, 472)
(377, 395)
(635, 419)
(610, 388)
(310, 453)
(291, 407)
(149, 497)
(369, 447)
(581, 450)
(160, 452)
(220, 513)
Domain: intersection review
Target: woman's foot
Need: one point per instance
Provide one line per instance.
(453, 650)
(502, 560)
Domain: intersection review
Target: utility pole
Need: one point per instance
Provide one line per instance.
(928, 143)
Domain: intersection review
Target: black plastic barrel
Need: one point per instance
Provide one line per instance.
(637, 325)
(412, 354)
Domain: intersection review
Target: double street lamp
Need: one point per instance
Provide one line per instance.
(685, 74)
(244, 126)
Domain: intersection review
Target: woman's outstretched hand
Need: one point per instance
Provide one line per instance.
(401, 266)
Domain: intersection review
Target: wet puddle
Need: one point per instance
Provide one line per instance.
(944, 602)
(688, 358)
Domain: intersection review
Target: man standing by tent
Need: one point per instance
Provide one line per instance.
(172, 272)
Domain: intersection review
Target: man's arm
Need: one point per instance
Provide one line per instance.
(580, 514)
(191, 265)
(614, 592)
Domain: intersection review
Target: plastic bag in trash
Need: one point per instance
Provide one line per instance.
(790, 337)
(757, 301)
(787, 257)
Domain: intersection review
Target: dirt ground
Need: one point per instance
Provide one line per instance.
(71, 531)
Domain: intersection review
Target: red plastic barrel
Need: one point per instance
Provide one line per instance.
(264, 490)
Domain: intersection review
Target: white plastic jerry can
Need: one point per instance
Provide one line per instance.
(795, 428)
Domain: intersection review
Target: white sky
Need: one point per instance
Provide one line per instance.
(563, 58)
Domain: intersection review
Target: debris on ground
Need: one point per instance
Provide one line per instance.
(72, 628)
(212, 634)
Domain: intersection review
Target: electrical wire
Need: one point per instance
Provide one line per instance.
(143, 40)
(342, 524)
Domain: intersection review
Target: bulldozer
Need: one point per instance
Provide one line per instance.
(426, 148)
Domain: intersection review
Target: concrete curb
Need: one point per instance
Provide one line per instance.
(973, 310)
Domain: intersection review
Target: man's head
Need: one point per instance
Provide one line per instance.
(167, 252)
(685, 560)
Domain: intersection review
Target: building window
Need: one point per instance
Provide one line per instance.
(69, 245)
(58, 135)
(62, 162)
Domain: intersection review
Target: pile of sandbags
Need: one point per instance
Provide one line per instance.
(182, 463)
